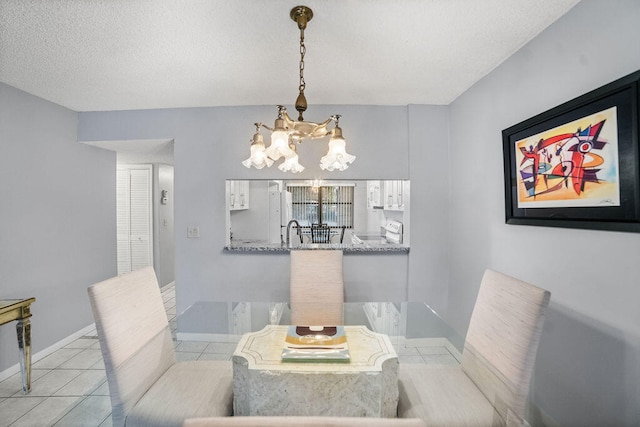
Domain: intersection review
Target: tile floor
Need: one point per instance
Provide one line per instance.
(69, 386)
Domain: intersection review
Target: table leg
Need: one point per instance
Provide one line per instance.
(24, 345)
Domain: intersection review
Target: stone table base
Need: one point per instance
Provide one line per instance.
(367, 386)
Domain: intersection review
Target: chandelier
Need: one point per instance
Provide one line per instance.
(287, 133)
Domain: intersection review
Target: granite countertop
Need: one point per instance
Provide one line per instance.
(244, 246)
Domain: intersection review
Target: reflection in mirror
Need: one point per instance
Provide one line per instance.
(298, 212)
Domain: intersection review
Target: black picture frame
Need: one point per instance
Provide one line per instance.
(621, 215)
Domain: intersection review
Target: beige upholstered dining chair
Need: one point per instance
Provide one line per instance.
(320, 233)
(491, 385)
(303, 421)
(316, 287)
(146, 385)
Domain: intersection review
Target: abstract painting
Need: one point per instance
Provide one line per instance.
(577, 165)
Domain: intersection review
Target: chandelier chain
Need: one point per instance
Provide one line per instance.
(303, 50)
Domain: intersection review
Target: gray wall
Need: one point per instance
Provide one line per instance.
(588, 371)
(163, 225)
(57, 218)
(210, 143)
(429, 166)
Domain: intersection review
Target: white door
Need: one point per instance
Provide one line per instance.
(134, 217)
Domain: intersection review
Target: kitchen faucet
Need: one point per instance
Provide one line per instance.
(293, 221)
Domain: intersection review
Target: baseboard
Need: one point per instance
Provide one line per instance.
(539, 418)
(167, 285)
(12, 370)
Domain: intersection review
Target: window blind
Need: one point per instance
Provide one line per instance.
(329, 205)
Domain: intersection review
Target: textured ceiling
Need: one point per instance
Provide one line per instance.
(135, 54)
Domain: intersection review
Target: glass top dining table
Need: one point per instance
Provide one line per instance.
(408, 324)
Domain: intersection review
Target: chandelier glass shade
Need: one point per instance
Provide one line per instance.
(287, 133)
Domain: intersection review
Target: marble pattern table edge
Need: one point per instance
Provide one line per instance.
(249, 247)
(375, 360)
(263, 383)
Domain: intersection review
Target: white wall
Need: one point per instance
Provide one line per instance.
(588, 371)
(57, 218)
(209, 145)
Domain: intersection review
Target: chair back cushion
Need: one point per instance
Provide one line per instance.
(502, 340)
(135, 338)
(320, 233)
(317, 287)
(297, 421)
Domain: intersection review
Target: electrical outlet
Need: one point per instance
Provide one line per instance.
(193, 232)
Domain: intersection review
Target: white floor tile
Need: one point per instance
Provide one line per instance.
(410, 359)
(407, 351)
(56, 358)
(192, 346)
(425, 342)
(82, 343)
(102, 390)
(83, 384)
(221, 347)
(214, 356)
(53, 381)
(15, 407)
(183, 356)
(107, 423)
(91, 412)
(83, 360)
(440, 359)
(47, 412)
(13, 384)
(432, 350)
(98, 365)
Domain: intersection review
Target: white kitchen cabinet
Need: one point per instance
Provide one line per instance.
(238, 195)
(394, 195)
(374, 194)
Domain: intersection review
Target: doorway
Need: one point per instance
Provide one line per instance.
(157, 155)
(134, 217)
